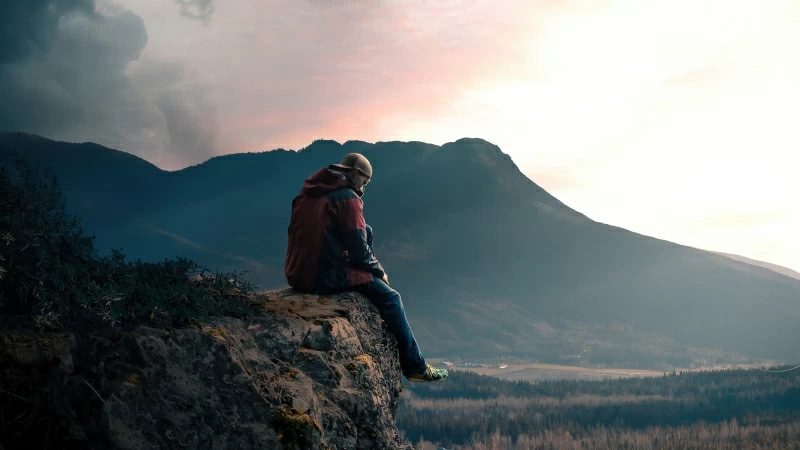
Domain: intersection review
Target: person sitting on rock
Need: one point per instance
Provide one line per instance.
(330, 250)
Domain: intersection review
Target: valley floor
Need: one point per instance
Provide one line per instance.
(536, 371)
(698, 409)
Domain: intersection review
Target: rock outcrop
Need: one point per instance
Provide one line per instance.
(310, 372)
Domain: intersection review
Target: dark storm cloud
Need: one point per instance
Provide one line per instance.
(63, 75)
(196, 9)
(31, 25)
(69, 71)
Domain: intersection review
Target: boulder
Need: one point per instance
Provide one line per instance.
(302, 372)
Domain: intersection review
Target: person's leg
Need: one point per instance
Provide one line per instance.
(390, 306)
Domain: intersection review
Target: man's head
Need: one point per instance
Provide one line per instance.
(357, 169)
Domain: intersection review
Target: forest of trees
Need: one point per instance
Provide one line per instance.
(726, 409)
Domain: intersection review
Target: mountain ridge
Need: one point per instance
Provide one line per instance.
(488, 262)
(783, 270)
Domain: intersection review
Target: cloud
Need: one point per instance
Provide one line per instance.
(64, 76)
(31, 25)
(339, 70)
(176, 92)
(196, 9)
(67, 74)
(186, 129)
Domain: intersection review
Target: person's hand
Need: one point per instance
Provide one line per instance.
(385, 278)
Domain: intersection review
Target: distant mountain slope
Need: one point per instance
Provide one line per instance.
(103, 186)
(487, 261)
(774, 267)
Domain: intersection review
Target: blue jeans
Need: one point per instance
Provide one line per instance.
(390, 306)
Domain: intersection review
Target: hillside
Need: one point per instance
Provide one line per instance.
(489, 263)
(774, 267)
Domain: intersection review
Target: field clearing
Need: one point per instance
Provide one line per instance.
(530, 371)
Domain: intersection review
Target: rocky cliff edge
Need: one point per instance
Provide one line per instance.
(305, 372)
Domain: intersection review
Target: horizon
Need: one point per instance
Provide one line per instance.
(671, 120)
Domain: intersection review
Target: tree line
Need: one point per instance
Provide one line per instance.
(714, 410)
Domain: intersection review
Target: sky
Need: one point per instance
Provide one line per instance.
(672, 119)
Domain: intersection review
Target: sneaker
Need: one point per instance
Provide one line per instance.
(429, 374)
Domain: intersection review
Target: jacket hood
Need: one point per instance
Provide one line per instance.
(323, 181)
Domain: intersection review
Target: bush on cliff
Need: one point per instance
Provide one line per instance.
(50, 269)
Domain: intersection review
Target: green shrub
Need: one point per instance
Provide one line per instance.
(51, 270)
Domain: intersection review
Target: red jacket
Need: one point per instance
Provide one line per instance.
(328, 248)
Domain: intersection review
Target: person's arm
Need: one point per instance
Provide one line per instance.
(354, 235)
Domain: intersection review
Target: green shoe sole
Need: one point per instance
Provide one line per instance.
(428, 375)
